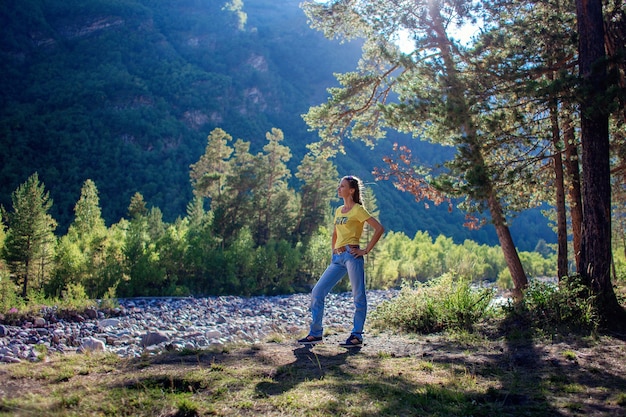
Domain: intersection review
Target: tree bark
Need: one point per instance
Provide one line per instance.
(561, 218)
(508, 247)
(596, 236)
(574, 188)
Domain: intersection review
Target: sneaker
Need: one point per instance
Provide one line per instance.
(352, 341)
(310, 340)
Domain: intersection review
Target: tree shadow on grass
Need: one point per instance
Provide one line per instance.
(309, 364)
(397, 395)
(343, 385)
(567, 373)
(525, 376)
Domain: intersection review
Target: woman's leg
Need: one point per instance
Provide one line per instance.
(333, 274)
(356, 272)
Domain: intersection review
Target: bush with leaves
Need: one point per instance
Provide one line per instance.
(444, 303)
(9, 295)
(567, 305)
(74, 298)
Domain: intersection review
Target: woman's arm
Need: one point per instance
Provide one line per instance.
(378, 232)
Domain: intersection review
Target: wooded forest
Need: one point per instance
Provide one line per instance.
(258, 237)
(125, 93)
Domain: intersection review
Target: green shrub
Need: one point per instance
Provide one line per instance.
(569, 304)
(9, 296)
(108, 300)
(444, 303)
(505, 280)
(74, 298)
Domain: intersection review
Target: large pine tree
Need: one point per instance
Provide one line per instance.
(424, 92)
(29, 245)
(596, 237)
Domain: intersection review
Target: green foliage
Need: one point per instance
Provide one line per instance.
(74, 298)
(444, 303)
(69, 264)
(3, 267)
(142, 257)
(315, 258)
(29, 243)
(619, 259)
(9, 295)
(247, 190)
(186, 408)
(505, 281)
(548, 306)
(145, 256)
(422, 259)
(82, 254)
(274, 266)
(108, 301)
(318, 183)
(124, 93)
(208, 174)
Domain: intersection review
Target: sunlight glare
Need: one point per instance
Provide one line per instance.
(463, 34)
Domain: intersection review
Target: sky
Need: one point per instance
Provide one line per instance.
(463, 33)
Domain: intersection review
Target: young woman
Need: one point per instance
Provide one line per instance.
(347, 257)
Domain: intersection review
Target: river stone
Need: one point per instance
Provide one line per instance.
(153, 338)
(91, 344)
(108, 323)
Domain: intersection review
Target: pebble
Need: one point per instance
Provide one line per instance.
(151, 325)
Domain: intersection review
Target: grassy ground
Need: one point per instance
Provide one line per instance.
(488, 373)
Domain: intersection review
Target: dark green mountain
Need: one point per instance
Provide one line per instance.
(125, 92)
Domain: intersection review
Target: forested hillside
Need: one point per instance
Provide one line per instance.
(126, 92)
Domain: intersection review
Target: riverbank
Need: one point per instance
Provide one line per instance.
(143, 325)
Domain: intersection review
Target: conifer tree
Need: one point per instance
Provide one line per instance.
(596, 237)
(532, 63)
(146, 275)
(137, 206)
(2, 239)
(88, 215)
(29, 245)
(235, 208)
(437, 100)
(318, 177)
(275, 203)
(208, 175)
(81, 254)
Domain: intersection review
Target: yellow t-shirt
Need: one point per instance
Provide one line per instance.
(349, 226)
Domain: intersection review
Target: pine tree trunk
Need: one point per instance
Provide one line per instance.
(574, 188)
(596, 237)
(26, 278)
(561, 218)
(459, 111)
(508, 247)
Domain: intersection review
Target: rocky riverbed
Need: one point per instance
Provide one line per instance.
(144, 325)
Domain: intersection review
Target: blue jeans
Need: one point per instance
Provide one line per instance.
(340, 264)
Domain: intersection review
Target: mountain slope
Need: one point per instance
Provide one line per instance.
(125, 93)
